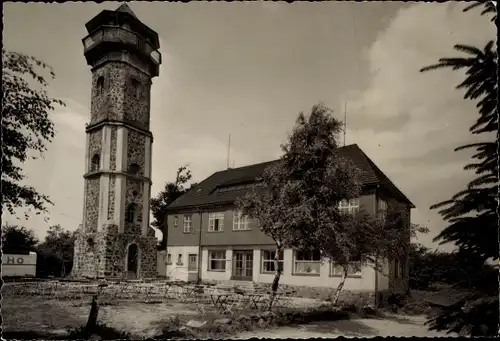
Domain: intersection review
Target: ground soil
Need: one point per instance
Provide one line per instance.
(391, 325)
(40, 315)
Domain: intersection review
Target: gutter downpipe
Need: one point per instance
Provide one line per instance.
(198, 280)
(377, 299)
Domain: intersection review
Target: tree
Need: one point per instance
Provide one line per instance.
(471, 213)
(56, 252)
(26, 127)
(301, 192)
(364, 238)
(18, 240)
(159, 204)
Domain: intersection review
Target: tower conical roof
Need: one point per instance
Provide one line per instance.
(125, 9)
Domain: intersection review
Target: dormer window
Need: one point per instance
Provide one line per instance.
(100, 85)
(95, 163)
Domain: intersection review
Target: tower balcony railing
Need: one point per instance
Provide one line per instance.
(119, 34)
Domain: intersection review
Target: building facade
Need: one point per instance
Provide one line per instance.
(208, 238)
(115, 239)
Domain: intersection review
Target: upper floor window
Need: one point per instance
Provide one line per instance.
(216, 222)
(169, 258)
(240, 221)
(130, 214)
(349, 206)
(187, 223)
(134, 168)
(136, 88)
(100, 85)
(95, 163)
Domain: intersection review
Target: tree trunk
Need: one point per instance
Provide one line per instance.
(277, 275)
(340, 286)
(92, 320)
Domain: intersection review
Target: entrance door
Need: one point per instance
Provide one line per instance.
(132, 261)
(243, 265)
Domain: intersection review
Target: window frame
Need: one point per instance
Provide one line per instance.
(239, 220)
(212, 217)
(351, 266)
(350, 206)
(100, 85)
(313, 262)
(382, 209)
(169, 259)
(223, 260)
(176, 221)
(263, 261)
(95, 166)
(131, 208)
(190, 221)
(179, 259)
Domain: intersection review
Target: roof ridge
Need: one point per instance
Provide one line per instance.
(124, 8)
(382, 174)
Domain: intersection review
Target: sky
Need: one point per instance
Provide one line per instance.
(248, 69)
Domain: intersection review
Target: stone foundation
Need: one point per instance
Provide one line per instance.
(106, 257)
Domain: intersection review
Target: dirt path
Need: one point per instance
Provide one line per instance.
(392, 325)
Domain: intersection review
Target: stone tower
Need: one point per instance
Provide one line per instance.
(115, 239)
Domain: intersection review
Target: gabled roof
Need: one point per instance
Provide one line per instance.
(204, 193)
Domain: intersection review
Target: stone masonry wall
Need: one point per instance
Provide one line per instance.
(133, 195)
(137, 94)
(136, 152)
(108, 104)
(125, 96)
(95, 145)
(108, 256)
(92, 204)
(111, 196)
(112, 159)
(88, 260)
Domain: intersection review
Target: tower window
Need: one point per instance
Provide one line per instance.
(136, 88)
(95, 163)
(131, 213)
(134, 168)
(100, 85)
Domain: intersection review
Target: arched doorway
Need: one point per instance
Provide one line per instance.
(132, 261)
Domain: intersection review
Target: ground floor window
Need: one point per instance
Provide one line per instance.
(192, 262)
(307, 262)
(268, 261)
(353, 269)
(169, 259)
(217, 260)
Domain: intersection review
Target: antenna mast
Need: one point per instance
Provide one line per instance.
(345, 120)
(228, 150)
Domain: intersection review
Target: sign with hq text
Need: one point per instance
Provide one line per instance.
(19, 265)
